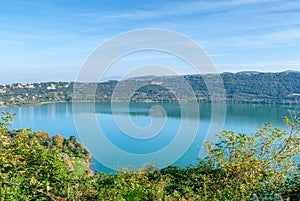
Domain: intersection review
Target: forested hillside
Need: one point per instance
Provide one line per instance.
(239, 87)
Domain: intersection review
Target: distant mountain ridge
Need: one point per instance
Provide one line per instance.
(248, 72)
(291, 71)
(150, 77)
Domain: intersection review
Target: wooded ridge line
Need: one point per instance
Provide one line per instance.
(245, 87)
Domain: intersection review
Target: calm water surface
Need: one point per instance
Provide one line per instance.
(58, 118)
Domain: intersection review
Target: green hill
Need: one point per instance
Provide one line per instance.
(247, 87)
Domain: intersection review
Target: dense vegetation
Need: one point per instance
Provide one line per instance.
(239, 87)
(258, 166)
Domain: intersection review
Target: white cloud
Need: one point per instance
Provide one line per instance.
(172, 9)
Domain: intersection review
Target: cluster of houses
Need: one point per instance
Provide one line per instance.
(26, 92)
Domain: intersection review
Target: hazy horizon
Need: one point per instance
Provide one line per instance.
(116, 78)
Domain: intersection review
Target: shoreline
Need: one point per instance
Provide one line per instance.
(147, 102)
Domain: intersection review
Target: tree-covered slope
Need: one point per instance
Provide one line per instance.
(239, 87)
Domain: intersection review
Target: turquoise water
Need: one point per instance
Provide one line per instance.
(59, 118)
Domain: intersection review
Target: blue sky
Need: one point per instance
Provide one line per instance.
(49, 40)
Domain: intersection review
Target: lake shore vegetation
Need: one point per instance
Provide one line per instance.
(258, 166)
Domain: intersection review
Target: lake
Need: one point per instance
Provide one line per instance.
(151, 140)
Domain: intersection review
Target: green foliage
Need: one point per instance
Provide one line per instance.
(127, 186)
(6, 119)
(258, 162)
(75, 149)
(58, 141)
(40, 172)
(258, 166)
(292, 186)
(31, 168)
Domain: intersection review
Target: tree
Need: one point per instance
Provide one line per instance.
(256, 163)
(5, 121)
(58, 141)
(29, 170)
(72, 139)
